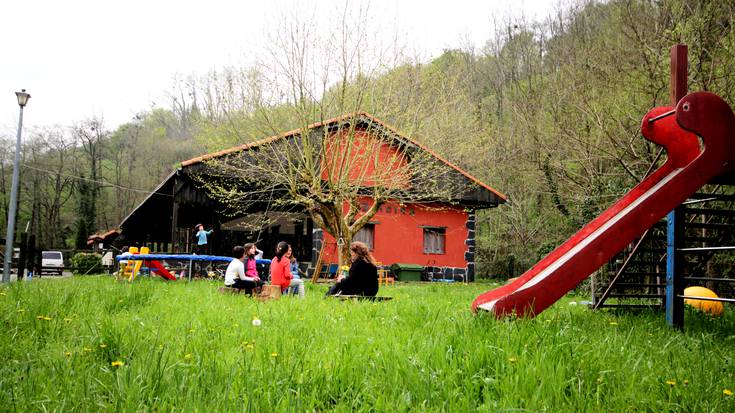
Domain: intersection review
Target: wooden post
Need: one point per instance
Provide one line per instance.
(22, 256)
(675, 219)
(32, 253)
(174, 218)
(318, 267)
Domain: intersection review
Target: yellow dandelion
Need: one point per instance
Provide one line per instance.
(2, 294)
(686, 382)
(39, 317)
(87, 349)
(187, 356)
(727, 392)
(512, 360)
(613, 323)
(250, 347)
(671, 383)
(117, 363)
(68, 354)
(67, 320)
(274, 354)
(599, 380)
(103, 345)
(47, 318)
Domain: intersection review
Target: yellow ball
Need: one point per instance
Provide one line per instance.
(714, 308)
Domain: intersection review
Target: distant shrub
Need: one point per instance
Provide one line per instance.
(86, 263)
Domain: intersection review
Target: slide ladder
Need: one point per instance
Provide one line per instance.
(687, 169)
(133, 266)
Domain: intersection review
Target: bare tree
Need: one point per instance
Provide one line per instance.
(92, 136)
(49, 167)
(338, 169)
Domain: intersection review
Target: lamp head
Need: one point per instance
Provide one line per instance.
(22, 97)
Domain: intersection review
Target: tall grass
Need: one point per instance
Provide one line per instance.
(92, 343)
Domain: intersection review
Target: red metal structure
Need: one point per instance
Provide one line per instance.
(688, 168)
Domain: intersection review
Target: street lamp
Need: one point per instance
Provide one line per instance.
(22, 101)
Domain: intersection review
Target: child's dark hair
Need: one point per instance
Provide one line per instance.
(238, 251)
(248, 247)
(281, 250)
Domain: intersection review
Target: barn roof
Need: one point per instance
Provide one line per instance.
(357, 115)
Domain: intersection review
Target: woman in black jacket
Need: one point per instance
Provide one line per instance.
(363, 277)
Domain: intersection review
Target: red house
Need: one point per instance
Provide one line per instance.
(438, 234)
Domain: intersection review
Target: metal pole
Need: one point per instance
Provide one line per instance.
(12, 207)
(675, 220)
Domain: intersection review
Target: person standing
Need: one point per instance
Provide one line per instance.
(201, 236)
(235, 276)
(363, 275)
(281, 272)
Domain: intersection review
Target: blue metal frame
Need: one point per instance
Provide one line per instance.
(674, 276)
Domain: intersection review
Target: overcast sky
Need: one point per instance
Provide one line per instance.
(84, 58)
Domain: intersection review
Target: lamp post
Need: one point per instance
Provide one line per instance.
(22, 100)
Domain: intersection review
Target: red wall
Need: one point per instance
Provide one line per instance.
(399, 236)
(365, 160)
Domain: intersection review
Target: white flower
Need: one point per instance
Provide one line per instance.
(256, 322)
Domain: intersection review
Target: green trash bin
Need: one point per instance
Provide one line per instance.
(407, 272)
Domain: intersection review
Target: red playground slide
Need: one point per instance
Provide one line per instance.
(160, 269)
(686, 170)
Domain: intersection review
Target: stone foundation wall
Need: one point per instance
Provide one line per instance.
(469, 255)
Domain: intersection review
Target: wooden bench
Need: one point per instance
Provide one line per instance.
(363, 297)
(230, 290)
(268, 292)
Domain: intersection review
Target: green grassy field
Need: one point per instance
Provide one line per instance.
(91, 343)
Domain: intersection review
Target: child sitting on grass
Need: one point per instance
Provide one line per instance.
(281, 271)
(296, 275)
(235, 276)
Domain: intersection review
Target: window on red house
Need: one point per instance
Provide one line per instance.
(434, 240)
(366, 235)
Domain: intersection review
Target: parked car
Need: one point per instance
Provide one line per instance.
(52, 262)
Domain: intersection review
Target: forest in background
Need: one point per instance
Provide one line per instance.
(547, 112)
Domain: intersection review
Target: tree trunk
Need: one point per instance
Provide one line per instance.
(344, 250)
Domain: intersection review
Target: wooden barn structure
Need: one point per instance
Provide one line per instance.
(439, 236)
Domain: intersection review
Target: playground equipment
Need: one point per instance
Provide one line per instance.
(702, 299)
(131, 267)
(687, 169)
(136, 260)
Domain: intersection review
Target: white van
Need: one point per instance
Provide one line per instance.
(52, 261)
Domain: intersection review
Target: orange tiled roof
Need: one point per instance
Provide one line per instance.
(285, 135)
